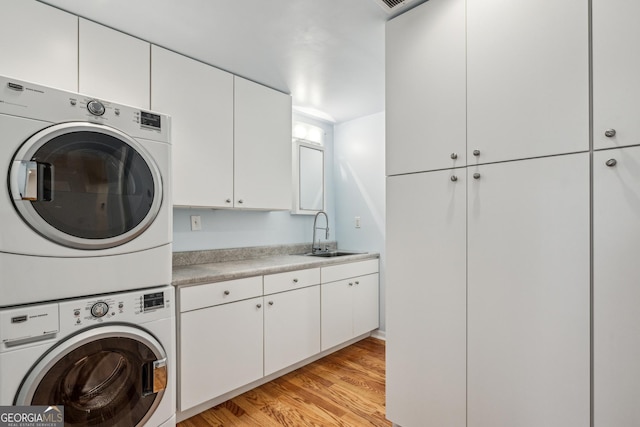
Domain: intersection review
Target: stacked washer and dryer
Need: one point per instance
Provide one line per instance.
(86, 306)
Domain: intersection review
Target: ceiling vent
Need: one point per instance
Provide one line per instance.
(393, 6)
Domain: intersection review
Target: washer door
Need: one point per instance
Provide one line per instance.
(107, 376)
(85, 186)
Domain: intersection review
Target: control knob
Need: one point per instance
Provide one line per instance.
(99, 309)
(95, 107)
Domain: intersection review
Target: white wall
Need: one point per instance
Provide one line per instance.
(359, 157)
(234, 228)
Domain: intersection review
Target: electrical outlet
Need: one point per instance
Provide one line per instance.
(196, 224)
(357, 222)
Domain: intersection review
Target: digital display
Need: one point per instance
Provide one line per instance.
(154, 300)
(149, 119)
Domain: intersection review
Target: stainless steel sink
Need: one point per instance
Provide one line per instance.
(331, 254)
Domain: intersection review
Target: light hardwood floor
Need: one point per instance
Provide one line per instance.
(346, 388)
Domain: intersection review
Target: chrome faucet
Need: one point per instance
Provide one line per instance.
(315, 227)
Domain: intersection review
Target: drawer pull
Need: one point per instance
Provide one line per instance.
(295, 280)
(227, 292)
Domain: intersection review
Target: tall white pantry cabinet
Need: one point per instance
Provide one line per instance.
(488, 247)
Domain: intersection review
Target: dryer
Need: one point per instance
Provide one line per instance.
(108, 360)
(86, 208)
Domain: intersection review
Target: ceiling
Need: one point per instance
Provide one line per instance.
(328, 54)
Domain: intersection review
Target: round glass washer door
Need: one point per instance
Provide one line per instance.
(85, 186)
(109, 376)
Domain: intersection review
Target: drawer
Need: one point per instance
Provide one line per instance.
(333, 273)
(281, 282)
(207, 295)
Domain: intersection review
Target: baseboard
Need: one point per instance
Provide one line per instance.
(381, 335)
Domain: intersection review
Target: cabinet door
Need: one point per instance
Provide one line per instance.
(426, 88)
(199, 99)
(426, 299)
(291, 327)
(527, 78)
(337, 313)
(616, 293)
(39, 44)
(221, 349)
(262, 147)
(529, 293)
(366, 312)
(113, 66)
(616, 66)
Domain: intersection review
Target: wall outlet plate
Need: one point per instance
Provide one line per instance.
(196, 223)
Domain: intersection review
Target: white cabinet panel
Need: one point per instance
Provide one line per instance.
(291, 280)
(262, 147)
(199, 99)
(113, 66)
(39, 43)
(426, 299)
(616, 292)
(291, 327)
(221, 349)
(210, 294)
(426, 88)
(616, 66)
(527, 78)
(529, 293)
(366, 303)
(351, 269)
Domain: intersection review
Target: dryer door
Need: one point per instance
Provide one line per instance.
(85, 186)
(107, 376)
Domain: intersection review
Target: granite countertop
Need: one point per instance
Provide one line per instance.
(195, 274)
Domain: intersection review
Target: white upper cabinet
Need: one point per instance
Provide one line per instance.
(616, 67)
(528, 293)
(426, 88)
(199, 99)
(262, 147)
(113, 66)
(527, 78)
(39, 43)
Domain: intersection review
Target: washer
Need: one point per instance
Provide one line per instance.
(109, 360)
(86, 208)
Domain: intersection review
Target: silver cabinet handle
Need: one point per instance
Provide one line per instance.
(241, 201)
(228, 201)
(270, 302)
(610, 133)
(611, 162)
(295, 280)
(357, 283)
(259, 305)
(227, 292)
(454, 178)
(476, 153)
(476, 175)
(454, 156)
(350, 283)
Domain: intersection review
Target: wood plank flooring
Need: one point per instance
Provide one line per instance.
(346, 389)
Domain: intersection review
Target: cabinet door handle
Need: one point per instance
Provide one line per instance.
(476, 175)
(357, 283)
(259, 305)
(241, 201)
(227, 292)
(350, 283)
(270, 302)
(228, 201)
(611, 162)
(610, 133)
(295, 280)
(454, 156)
(476, 153)
(454, 178)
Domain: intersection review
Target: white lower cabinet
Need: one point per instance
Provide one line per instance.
(233, 333)
(529, 293)
(349, 306)
(616, 289)
(291, 327)
(220, 350)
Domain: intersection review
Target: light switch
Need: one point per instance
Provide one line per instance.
(196, 224)
(357, 222)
